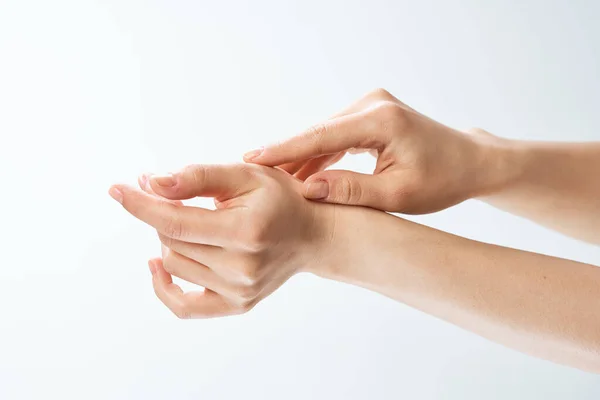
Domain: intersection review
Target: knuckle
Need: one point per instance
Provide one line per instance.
(249, 277)
(246, 293)
(197, 173)
(348, 191)
(381, 93)
(317, 131)
(478, 132)
(174, 228)
(391, 117)
(390, 111)
(245, 307)
(254, 237)
(316, 134)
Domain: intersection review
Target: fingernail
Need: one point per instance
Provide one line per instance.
(116, 194)
(143, 180)
(152, 266)
(253, 154)
(167, 180)
(317, 190)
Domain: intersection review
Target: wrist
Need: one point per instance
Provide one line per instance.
(331, 256)
(379, 252)
(357, 238)
(499, 163)
(325, 239)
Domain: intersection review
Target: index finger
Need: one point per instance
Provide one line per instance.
(295, 167)
(185, 223)
(339, 134)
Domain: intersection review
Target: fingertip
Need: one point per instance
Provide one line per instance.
(166, 185)
(160, 273)
(165, 181)
(116, 192)
(267, 156)
(152, 266)
(253, 155)
(126, 195)
(144, 181)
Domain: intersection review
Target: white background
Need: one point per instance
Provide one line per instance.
(96, 92)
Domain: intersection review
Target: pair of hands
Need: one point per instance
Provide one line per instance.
(263, 231)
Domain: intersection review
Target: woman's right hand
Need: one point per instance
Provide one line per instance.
(422, 165)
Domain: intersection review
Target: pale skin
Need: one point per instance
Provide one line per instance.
(264, 230)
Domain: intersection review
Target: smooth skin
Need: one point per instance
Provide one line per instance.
(264, 231)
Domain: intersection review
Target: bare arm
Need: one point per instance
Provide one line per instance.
(544, 306)
(554, 184)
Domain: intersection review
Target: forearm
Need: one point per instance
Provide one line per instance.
(554, 184)
(544, 306)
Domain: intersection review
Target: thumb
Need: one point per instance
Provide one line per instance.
(218, 181)
(346, 187)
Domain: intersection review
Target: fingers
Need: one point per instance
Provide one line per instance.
(192, 271)
(228, 265)
(205, 304)
(219, 181)
(333, 136)
(235, 292)
(313, 165)
(343, 132)
(345, 187)
(201, 253)
(190, 224)
(293, 168)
